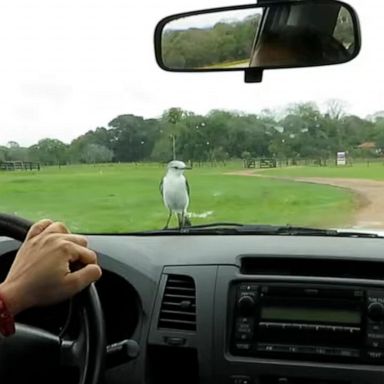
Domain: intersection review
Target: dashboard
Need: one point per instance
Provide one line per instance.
(241, 309)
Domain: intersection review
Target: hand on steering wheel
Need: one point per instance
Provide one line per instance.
(41, 272)
(35, 354)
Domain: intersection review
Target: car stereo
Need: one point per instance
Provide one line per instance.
(307, 321)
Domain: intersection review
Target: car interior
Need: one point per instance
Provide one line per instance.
(221, 304)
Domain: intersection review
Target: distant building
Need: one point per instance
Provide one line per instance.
(370, 145)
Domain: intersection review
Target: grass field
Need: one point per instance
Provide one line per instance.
(373, 171)
(121, 198)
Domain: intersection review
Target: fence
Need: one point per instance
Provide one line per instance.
(19, 166)
(331, 162)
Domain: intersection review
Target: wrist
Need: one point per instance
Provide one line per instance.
(9, 294)
(7, 321)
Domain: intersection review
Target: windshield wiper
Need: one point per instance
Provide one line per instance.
(257, 229)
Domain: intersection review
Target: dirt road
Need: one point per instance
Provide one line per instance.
(370, 212)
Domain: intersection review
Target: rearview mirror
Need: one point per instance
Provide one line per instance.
(278, 35)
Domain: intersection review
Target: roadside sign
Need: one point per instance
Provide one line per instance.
(341, 158)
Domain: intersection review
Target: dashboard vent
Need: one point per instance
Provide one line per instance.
(295, 266)
(178, 308)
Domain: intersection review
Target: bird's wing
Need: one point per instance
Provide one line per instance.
(161, 186)
(188, 189)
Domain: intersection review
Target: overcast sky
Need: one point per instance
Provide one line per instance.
(68, 66)
(211, 19)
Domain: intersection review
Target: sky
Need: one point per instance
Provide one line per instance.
(69, 66)
(211, 19)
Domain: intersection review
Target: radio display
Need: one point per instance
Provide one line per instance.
(305, 314)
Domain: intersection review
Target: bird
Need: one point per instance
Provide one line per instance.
(175, 191)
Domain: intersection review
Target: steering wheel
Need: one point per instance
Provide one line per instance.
(34, 351)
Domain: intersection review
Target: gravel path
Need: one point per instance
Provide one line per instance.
(370, 212)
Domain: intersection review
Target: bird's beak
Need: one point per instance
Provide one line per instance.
(187, 168)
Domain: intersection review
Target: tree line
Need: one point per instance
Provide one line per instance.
(301, 131)
(202, 47)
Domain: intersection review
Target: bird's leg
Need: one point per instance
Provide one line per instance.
(183, 219)
(187, 221)
(180, 220)
(169, 219)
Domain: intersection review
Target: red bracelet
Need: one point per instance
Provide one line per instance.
(7, 322)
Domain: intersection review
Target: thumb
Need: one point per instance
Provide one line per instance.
(38, 228)
(81, 278)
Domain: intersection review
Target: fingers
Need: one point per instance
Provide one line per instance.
(81, 278)
(38, 228)
(56, 227)
(82, 255)
(76, 239)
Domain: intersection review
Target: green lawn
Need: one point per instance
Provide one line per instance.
(373, 171)
(118, 198)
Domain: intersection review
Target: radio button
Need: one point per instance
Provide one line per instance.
(375, 355)
(244, 326)
(321, 350)
(246, 304)
(244, 329)
(350, 330)
(306, 350)
(375, 328)
(243, 346)
(330, 351)
(375, 336)
(267, 325)
(274, 348)
(243, 336)
(265, 347)
(262, 347)
(376, 311)
(281, 348)
(375, 343)
(240, 380)
(248, 287)
(349, 353)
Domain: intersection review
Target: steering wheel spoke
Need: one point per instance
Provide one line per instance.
(21, 354)
(71, 353)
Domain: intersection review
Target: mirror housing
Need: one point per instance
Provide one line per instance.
(252, 38)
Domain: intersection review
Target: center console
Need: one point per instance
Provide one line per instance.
(310, 321)
(275, 329)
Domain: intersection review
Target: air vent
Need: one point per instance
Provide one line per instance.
(295, 266)
(178, 308)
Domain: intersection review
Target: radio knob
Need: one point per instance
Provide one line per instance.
(376, 311)
(246, 304)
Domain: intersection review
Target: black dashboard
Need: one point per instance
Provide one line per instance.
(243, 309)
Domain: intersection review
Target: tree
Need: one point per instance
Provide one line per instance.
(3, 153)
(336, 109)
(133, 137)
(49, 152)
(95, 153)
(15, 152)
(301, 132)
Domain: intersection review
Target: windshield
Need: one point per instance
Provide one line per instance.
(90, 126)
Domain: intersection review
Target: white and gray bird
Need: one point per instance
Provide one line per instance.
(175, 191)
